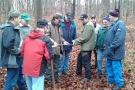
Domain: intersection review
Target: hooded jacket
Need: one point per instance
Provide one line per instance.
(10, 42)
(36, 50)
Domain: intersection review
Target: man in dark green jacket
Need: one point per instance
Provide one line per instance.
(87, 42)
(100, 43)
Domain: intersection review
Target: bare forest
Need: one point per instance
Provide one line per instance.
(47, 9)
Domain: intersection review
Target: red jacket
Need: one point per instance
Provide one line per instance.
(36, 49)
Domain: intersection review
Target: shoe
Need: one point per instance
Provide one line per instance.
(74, 73)
(57, 80)
(49, 82)
(110, 85)
(84, 80)
(116, 88)
(65, 73)
(59, 73)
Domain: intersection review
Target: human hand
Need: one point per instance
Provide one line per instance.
(55, 44)
(73, 41)
(66, 43)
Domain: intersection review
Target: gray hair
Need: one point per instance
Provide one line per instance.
(13, 14)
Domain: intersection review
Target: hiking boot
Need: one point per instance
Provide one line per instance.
(65, 73)
(49, 82)
(84, 80)
(116, 88)
(57, 80)
(60, 73)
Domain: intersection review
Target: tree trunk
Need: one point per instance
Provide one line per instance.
(73, 10)
(39, 9)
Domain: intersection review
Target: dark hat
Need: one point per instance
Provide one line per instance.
(114, 12)
(59, 16)
(93, 16)
(69, 15)
(42, 22)
(25, 16)
(83, 16)
(106, 18)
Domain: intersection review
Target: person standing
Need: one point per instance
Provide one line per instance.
(69, 34)
(115, 49)
(101, 36)
(24, 26)
(11, 52)
(96, 27)
(87, 42)
(54, 32)
(36, 50)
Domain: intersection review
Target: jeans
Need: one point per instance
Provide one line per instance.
(84, 60)
(15, 77)
(114, 72)
(99, 61)
(48, 74)
(63, 64)
(35, 83)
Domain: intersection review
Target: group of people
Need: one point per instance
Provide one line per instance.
(28, 51)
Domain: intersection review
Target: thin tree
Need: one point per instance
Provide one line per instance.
(39, 9)
(73, 11)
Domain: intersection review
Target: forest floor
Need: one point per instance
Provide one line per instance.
(97, 82)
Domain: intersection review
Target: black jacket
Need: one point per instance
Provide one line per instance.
(9, 46)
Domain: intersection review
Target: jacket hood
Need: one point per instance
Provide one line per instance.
(35, 34)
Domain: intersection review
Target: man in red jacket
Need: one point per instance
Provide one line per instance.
(36, 50)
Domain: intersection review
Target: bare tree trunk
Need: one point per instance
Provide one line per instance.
(119, 8)
(90, 6)
(39, 9)
(73, 11)
(106, 6)
(86, 6)
(115, 4)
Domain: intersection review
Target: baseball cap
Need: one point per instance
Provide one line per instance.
(42, 22)
(83, 16)
(69, 15)
(25, 16)
(93, 16)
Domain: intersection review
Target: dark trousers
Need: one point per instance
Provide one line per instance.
(48, 74)
(84, 59)
(15, 77)
(95, 57)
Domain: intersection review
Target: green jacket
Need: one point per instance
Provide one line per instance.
(87, 38)
(101, 38)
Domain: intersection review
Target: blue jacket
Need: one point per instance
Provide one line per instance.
(115, 41)
(68, 35)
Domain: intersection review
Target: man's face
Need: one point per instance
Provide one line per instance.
(57, 21)
(84, 20)
(24, 22)
(45, 29)
(105, 22)
(17, 20)
(93, 20)
(67, 19)
(111, 18)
